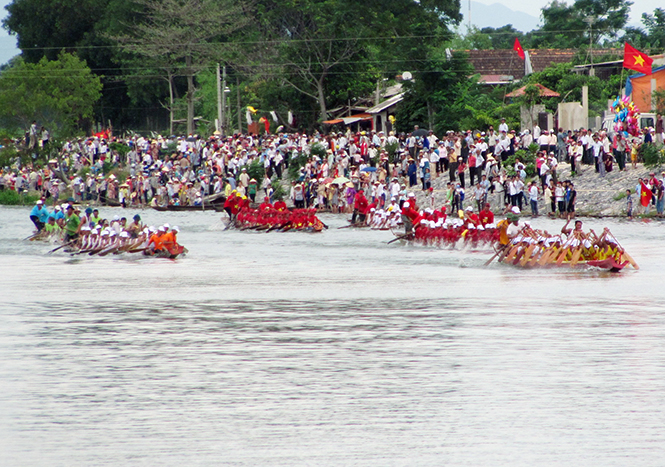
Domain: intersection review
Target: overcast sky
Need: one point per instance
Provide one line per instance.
(533, 7)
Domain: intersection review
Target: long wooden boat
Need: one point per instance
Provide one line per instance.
(207, 207)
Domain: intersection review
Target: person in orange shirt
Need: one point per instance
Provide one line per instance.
(157, 240)
(169, 239)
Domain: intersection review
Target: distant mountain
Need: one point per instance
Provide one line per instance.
(497, 15)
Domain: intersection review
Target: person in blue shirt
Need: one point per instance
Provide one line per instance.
(39, 215)
(57, 214)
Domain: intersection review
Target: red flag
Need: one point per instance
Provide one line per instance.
(645, 195)
(633, 59)
(518, 48)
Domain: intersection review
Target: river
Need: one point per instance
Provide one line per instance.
(288, 349)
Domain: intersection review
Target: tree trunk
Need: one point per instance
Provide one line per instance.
(322, 100)
(190, 95)
(171, 104)
(429, 116)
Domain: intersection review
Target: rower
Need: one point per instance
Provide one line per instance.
(577, 230)
(39, 215)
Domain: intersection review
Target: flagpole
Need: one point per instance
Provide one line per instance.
(510, 69)
(621, 81)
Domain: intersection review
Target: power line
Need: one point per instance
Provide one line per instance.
(318, 40)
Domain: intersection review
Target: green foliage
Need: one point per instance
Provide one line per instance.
(280, 192)
(295, 164)
(564, 25)
(318, 150)
(659, 101)
(620, 195)
(120, 174)
(83, 173)
(122, 149)
(8, 156)
(12, 198)
(653, 155)
(526, 157)
(59, 94)
(257, 171)
(391, 149)
(504, 37)
(437, 97)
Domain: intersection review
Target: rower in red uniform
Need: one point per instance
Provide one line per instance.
(359, 207)
(486, 215)
(266, 205)
(280, 205)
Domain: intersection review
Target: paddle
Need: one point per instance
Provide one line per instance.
(398, 238)
(30, 237)
(61, 246)
(501, 249)
(623, 252)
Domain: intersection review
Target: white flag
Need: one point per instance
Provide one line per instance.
(528, 69)
(274, 116)
(290, 119)
(248, 116)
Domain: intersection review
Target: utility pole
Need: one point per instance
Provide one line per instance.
(590, 20)
(223, 130)
(238, 93)
(219, 102)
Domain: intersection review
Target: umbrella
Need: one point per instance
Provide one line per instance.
(420, 132)
(341, 180)
(328, 181)
(369, 169)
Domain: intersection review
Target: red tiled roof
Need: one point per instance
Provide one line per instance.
(544, 92)
(506, 61)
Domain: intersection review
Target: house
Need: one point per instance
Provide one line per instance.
(504, 66)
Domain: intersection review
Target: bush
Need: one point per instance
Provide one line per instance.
(8, 156)
(653, 155)
(391, 149)
(12, 198)
(526, 157)
(121, 149)
(279, 192)
(296, 164)
(256, 171)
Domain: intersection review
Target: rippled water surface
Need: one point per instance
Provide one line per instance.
(327, 349)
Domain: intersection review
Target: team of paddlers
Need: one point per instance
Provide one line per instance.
(86, 232)
(269, 216)
(528, 247)
(515, 243)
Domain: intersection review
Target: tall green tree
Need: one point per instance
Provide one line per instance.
(59, 94)
(567, 26)
(179, 36)
(319, 46)
(652, 35)
(435, 99)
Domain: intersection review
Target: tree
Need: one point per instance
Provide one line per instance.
(504, 37)
(320, 46)
(653, 33)
(59, 94)
(179, 35)
(437, 96)
(567, 26)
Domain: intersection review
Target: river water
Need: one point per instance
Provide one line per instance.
(285, 349)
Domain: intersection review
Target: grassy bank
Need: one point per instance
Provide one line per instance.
(12, 198)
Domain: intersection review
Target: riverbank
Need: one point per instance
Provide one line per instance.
(596, 196)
